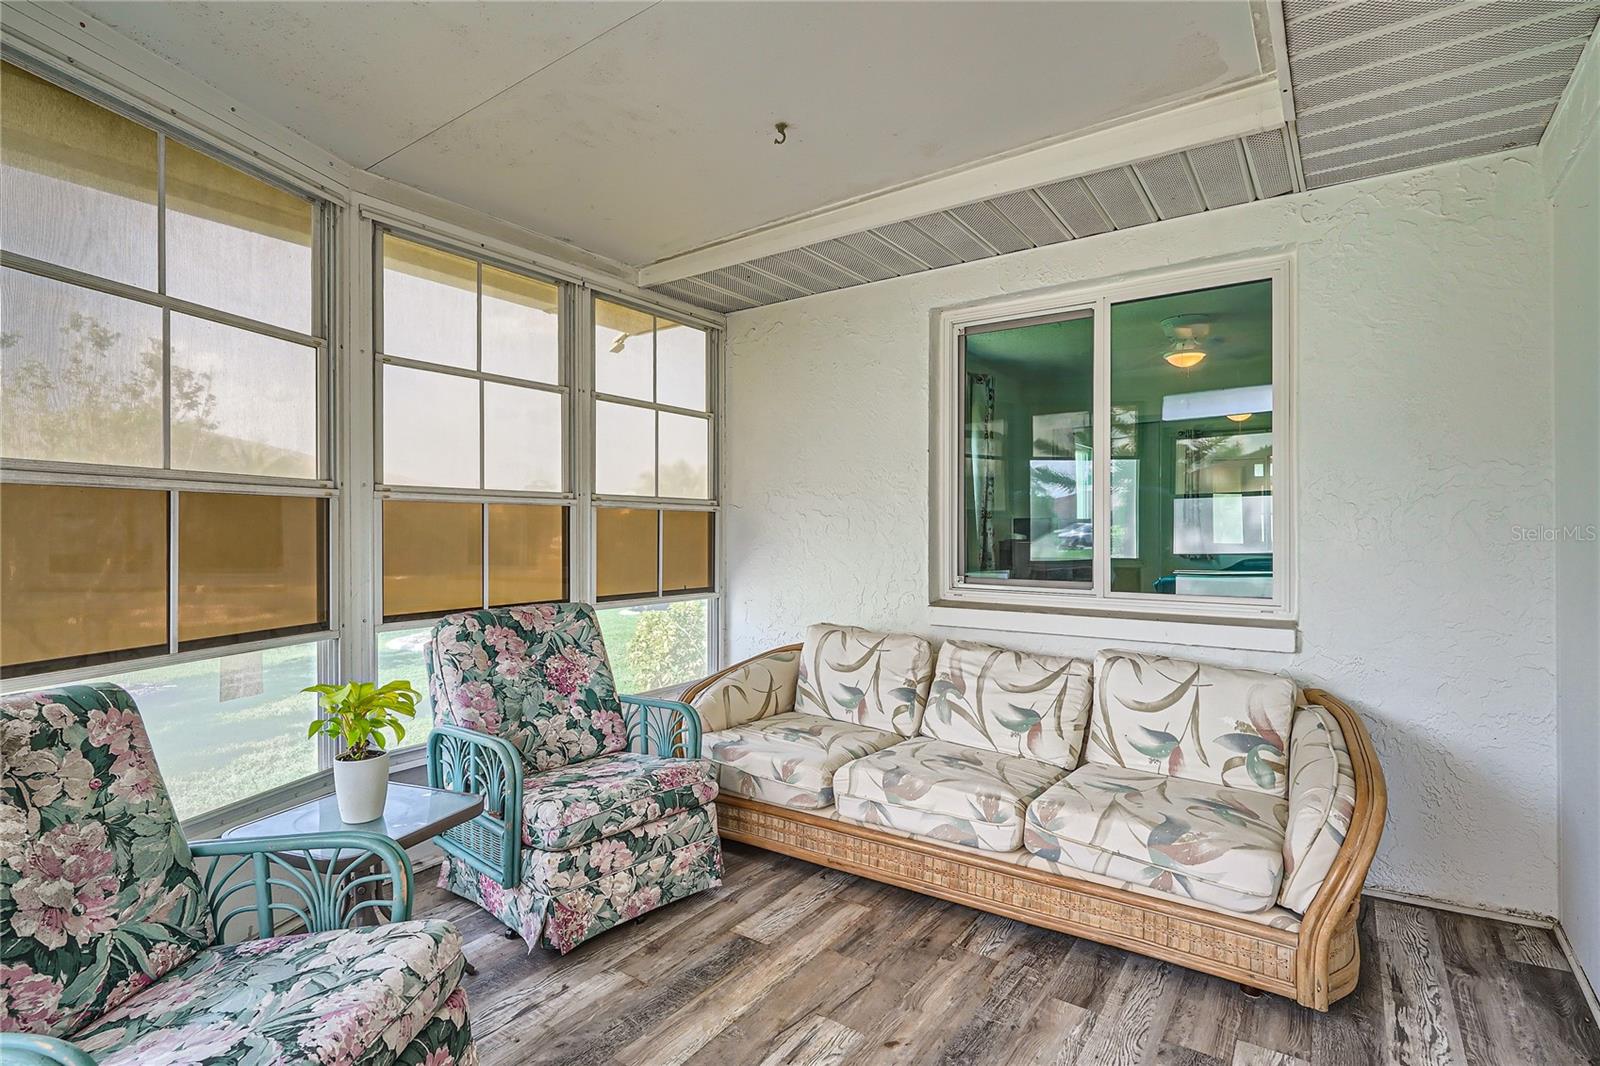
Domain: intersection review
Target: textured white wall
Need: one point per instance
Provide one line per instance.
(1571, 158)
(1424, 439)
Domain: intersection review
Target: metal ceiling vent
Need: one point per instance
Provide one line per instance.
(1211, 176)
(1381, 87)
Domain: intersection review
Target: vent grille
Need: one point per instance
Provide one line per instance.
(1182, 183)
(1381, 87)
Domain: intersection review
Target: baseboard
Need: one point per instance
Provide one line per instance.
(1578, 972)
(1538, 921)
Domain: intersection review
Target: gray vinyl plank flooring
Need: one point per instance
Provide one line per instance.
(792, 964)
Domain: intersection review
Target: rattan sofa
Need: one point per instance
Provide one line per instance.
(1217, 818)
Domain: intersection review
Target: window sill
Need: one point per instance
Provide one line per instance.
(1275, 635)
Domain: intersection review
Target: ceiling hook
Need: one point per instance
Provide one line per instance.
(783, 132)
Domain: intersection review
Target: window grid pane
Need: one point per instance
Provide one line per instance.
(250, 566)
(527, 554)
(432, 558)
(627, 552)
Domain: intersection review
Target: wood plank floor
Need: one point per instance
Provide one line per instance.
(790, 963)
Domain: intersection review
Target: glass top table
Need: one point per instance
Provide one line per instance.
(411, 814)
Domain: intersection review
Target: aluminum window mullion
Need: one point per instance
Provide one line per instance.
(650, 405)
(94, 283)
(467, 372)
(1100, 461)
(172, 571)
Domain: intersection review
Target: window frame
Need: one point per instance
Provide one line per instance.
(950, 589)
(325, 283)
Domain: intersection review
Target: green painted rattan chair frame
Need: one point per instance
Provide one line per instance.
(287, 877)
(464, 760)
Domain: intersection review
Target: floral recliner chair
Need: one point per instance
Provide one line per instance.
(597, 808)
(112, 948)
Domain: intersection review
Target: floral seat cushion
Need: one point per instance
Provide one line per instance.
(791, 758)
(98, 893)
(946, 791)
(349, 996)
(872, 679)
(573, 805)
(1186, 719)
(1014, 702)
(537, 676)
(1219, 845)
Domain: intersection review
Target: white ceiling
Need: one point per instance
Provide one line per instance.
(640, 131)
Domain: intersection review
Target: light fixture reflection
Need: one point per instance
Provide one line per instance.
(1245, 417)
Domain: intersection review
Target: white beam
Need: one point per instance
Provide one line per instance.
(1249, 108)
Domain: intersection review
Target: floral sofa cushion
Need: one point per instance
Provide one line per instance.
(1322, 801)
(759, 688)
(349, 996)
(572, 805)
(98, 894)
(871, 679)
(1035, 706)
(1186, 719)
(797, 752)
(536, 675)
(567, 897)
(1219, 845)
(977, 793)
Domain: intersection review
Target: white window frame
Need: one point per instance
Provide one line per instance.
(715, 349)
(327, 485)
(1098, 611)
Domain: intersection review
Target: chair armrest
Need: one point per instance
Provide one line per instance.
(661, 727)
(25, 1049)
(465, 760)
(322, 879)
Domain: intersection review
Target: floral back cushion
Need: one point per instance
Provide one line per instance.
(872, 679)
(98, 893)
(1186, 719)
(537, 676)
(1035, 706)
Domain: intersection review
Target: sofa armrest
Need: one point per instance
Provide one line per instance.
(321, 879)
(759, 687)
(464, 760)
(661, 727)
(1338, 894)
(26, 1049)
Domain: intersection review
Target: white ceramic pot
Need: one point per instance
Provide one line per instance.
(362, 787)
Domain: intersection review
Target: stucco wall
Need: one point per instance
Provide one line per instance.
(1424, 441)
(1572, 174)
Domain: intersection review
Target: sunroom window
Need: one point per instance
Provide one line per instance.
(164, 424)
(1170, 393)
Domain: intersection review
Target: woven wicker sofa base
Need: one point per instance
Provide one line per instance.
(1316, 965)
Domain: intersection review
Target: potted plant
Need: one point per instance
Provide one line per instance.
(358, 713)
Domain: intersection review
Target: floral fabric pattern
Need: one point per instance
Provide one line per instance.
(564, 919)
(758, 689)
(575, 804)
(98, 893)
(1188, 838)
(1322, 801)
(872, 679)
(344, 997)
(947, 829)
(1035, 706)
(1190, 720)
(952, 782)
(537, 676)
(738, 783)
(554, 872)
(796, 749)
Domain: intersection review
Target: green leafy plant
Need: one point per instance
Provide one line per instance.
(359, 713)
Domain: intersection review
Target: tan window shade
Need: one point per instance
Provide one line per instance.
(625, 552)
(210, 189)
(236, 242)
(527, 554)
(432, 558)
(80, 181)
(83, 575)
(686, 553)
(430, 304)
(250, 566)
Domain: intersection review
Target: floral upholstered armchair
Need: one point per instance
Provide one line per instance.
(597, 808)
(113, 939)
